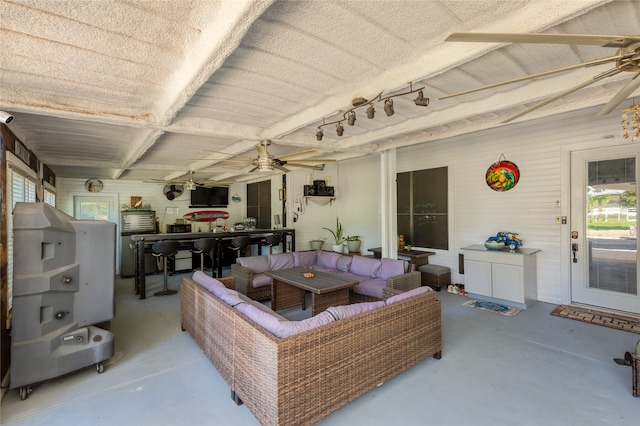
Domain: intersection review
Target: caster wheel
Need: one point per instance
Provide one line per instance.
(24, 392)
(100, 368)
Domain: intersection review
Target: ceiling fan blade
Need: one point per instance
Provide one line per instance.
(540, 74)
(306, 166)
(282, 168)
(585, 39)
(562, 94)
(300, 155)
(253, 170)
(311, 161)
(622, 94)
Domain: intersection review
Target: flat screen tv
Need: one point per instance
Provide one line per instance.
(218, 196)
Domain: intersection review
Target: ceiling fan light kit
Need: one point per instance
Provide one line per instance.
(350, 115)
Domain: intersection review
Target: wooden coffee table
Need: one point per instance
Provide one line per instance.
(289, 287)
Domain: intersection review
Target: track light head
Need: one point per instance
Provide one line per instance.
(421, 100)
(339, 129)
(352, 118)
(5, 117)
(388, 107)
(359, 101)
(371, 111)
(319, 134)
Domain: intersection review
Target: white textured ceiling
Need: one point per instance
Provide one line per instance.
(137, 89)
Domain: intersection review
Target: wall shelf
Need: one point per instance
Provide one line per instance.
(319, 200)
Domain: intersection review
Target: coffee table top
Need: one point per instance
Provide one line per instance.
(321, 282)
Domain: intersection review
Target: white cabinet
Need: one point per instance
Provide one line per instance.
(503, 276)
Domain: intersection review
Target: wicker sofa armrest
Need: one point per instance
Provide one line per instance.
(243, 276)
(405, 282)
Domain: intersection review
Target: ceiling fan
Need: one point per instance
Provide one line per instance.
(266, 162)
(189, 183)
(626, 59)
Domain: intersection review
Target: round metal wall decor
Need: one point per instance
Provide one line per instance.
(502, 175)
(93, 185)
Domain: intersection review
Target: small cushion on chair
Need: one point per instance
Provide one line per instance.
(257, 264)
(434, 269)
(261, 280)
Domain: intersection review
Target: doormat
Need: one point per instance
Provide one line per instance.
(496, 308)
(605, 319)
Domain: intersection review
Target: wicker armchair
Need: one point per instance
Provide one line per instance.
(244, 283)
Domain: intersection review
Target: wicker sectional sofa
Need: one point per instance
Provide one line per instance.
(373, 275)
(299, 379)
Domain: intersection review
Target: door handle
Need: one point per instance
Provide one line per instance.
(574, 249)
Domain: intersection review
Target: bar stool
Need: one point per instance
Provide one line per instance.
(240, 244)
(271, 241)
(165, 249)
(209, 247)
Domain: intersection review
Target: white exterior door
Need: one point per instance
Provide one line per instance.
(604, 223)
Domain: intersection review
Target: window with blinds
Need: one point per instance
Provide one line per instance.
(21, 188)
(50, 197)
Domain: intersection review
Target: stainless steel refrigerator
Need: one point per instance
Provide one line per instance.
(132, 223)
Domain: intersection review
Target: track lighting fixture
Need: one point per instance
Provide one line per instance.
(359, 102)
(351, 118)
(371, 112)
(388, 107)
(5, 117)
(421, 100)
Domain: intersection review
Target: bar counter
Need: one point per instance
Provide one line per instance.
(143, 243)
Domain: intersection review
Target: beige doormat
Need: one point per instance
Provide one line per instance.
(496, 308)
(605, 319)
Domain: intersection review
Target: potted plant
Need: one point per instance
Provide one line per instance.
(338, 235)
(316, 243)
(353, 243)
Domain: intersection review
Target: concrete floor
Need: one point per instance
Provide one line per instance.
(531, 369)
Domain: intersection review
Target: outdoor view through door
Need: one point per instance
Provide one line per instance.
(608, 273)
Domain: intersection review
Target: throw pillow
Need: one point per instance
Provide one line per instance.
(390, 268)
(343, 263)
(257, 264)
(304, 259)
(365, 266)
(328, 259)
(280, 261)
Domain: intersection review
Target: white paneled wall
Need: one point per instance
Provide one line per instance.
(539, 149)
